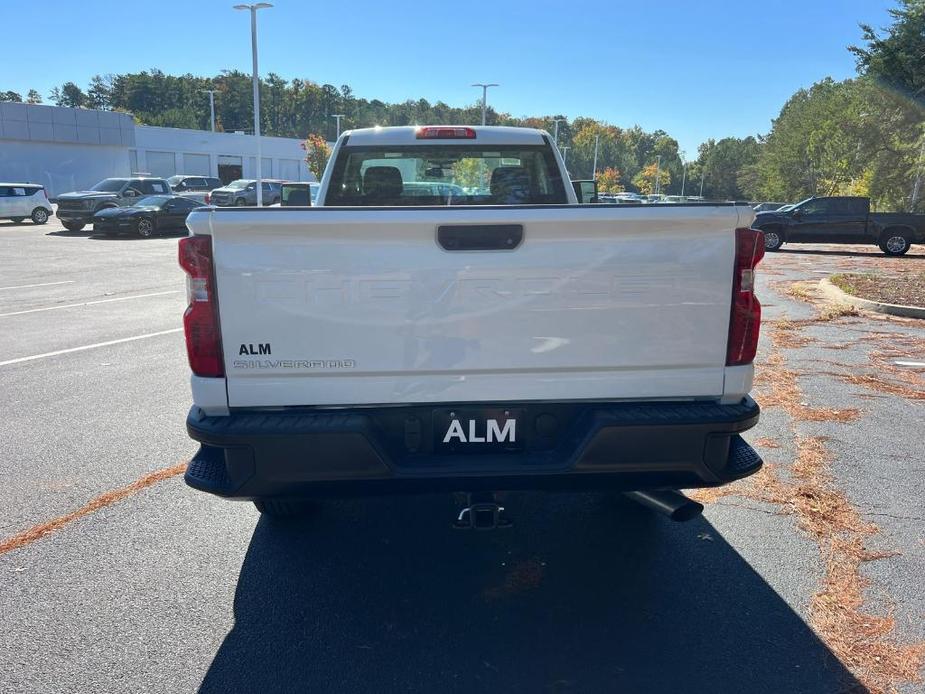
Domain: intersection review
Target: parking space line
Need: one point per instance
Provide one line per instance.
(33, 357)
(89, 303)
(42, 284)
(37, 532)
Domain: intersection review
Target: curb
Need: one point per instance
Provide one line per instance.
(833, 292)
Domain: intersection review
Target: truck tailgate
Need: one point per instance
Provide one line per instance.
(353, 306)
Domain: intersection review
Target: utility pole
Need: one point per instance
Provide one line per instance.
(597, 139)
(658, 171)
(485, 96)
(256, 80)
(555, 136)
(917, 187)
(211, 93)
(564, 151)
(703, 172)
(338, 116)
(683, 179)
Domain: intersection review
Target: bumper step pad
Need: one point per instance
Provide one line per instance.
(207, 471)
(743, 459)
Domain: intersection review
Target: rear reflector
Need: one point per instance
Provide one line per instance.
(434, 133)
(745, 318)
(200, 321)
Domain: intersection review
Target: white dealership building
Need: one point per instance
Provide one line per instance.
(71, 149)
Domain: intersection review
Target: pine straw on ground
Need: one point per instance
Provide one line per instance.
(832, 311)
(906, 288)
(888, 377)
(37, 532)
(804, 290)
(864, 642)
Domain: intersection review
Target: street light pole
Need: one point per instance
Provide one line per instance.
(703, 172)
(564, 151)
(485, 96)
(211, 93)
(683, 179)
(555, 136)
(597, 139)
(338, 116)
(658, 174)
(256, 80)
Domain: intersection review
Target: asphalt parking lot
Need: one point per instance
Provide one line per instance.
(806, 578)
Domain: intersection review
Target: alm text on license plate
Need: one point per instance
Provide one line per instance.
(477, 430)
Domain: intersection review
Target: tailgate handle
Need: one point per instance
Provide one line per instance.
(480, 237)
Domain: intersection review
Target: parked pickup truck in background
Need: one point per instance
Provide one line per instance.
(243, 192)
(840, 220)
(494, 334)
(76, 210)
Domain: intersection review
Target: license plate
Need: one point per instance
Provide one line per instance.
(468, 430)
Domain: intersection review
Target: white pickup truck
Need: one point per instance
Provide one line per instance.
(485, 332)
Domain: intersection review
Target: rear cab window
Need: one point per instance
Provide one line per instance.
(151, 187)
(446, 174)
(857, 207)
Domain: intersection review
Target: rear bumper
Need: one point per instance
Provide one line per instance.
(624, 446)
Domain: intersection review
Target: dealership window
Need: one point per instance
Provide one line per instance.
(289, 169)
(162, 164)
(196, 165)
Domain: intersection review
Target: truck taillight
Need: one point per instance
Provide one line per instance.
(745, 318)
(200, 321)
(435, 133)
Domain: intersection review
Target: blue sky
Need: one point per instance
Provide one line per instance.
(697, 69)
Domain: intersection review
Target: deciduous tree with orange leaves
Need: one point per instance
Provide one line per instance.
(608, 181)
(316, 154)
(645, 179)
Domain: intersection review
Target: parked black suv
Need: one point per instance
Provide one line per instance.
(76, 210)
(840, 220)
(193, 184)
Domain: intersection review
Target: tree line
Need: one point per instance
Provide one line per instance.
(861, 136)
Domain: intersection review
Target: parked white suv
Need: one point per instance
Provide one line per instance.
(21, 200)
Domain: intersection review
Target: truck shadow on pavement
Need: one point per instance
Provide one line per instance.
(848, 254)
(99, 236)
(586, 593)
(71, 234)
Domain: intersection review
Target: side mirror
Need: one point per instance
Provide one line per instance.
(585, 191)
